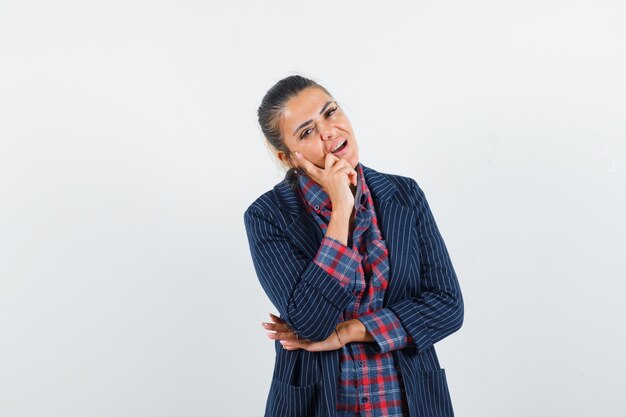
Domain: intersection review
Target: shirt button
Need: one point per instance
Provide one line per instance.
(364, 399)
(358, 293)
(361, 363)
(317, 207)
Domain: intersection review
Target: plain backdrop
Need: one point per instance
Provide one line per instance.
(129, 151)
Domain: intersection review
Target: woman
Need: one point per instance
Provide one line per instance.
(355, 264)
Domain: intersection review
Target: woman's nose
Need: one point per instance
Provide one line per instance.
(326, 131)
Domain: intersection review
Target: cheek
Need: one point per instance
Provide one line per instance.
(313, 153)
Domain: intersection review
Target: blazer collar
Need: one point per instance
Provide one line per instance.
(381, 188)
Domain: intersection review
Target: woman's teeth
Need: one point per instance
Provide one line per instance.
(339, 147)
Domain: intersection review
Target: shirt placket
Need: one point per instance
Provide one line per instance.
(357, 349)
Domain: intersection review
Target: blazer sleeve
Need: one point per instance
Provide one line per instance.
(438, 310)
(306, 296)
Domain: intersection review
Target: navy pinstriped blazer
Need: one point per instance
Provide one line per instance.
(423, 292)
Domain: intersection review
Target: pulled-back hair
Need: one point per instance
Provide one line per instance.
(273, 105)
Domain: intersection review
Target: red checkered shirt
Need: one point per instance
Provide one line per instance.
(370, 383)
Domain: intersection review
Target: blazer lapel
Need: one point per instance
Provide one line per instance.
(301, 227)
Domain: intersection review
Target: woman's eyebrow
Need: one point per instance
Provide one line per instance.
(310, 120)
(325, 105)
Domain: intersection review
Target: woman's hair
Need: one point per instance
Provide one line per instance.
(273, 104)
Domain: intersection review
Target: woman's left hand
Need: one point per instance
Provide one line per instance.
(290, 340)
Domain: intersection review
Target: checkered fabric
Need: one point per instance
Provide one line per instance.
(370, 383)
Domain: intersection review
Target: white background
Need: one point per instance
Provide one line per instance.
(129, 151)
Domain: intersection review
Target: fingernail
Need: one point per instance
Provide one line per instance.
(263, 324)
(298, 155)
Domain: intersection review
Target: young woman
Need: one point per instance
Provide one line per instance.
(354, 263)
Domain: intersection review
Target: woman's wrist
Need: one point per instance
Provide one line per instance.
(353, 331)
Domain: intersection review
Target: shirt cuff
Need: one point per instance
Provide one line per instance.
(386, 329)
(338, 260)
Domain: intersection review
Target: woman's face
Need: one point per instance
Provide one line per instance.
(313, 124)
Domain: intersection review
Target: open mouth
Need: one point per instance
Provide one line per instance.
(340, 147)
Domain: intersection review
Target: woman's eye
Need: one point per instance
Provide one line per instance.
(305, 133)
(330, 112)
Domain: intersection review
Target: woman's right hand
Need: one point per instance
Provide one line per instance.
(335, 179)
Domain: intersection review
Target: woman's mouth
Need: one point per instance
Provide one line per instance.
(340, 147)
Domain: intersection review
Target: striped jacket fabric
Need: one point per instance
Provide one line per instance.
(423, 292)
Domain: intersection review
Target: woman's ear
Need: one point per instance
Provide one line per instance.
(282, 157)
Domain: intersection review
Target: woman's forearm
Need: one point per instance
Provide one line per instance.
(353, 331)
(339, 224)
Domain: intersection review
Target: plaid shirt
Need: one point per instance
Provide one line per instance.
(370, 384)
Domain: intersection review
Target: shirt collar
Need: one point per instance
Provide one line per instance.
(316, 197)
